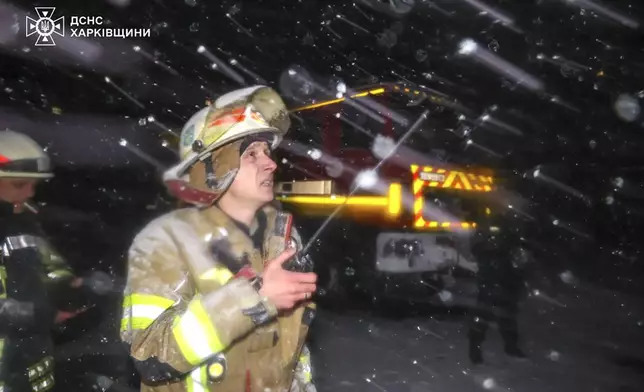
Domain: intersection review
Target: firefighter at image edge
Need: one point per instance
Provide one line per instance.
(234, 318)
(35, 281)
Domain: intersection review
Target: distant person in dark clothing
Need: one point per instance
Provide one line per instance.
(501, 284)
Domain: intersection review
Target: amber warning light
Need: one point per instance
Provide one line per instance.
(391, 205)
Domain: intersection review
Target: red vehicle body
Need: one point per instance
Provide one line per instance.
(410, 224)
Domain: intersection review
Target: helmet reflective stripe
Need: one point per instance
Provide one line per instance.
(231, 126)
(239, 115)
(38, 165)
(22, 157)
(194, 128)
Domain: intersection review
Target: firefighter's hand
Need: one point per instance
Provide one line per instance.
(285, 288)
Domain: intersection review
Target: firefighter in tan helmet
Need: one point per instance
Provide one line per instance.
(208, 303)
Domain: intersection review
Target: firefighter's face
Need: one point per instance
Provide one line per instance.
(17, 190)
(254, 181)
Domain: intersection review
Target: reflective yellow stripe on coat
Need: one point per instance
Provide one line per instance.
(195, 334)
(219, 274)
(140, 310)
(197, 380)
(305, 366)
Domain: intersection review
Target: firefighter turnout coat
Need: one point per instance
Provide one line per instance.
(30, 271)
(185, 316)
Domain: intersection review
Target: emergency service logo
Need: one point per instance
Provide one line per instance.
(45, 26)
(189, 135)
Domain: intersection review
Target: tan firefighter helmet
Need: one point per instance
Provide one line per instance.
(212, 139)
(22, 157)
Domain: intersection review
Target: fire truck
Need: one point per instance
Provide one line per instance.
(381, 240)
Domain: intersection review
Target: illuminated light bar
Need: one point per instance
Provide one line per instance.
(441, 178)
(451, 179)
(380, 201)
(394, 201)
(377, 91)
(433, 98)
(444, 225)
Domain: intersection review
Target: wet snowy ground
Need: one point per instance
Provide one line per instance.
(587, 339)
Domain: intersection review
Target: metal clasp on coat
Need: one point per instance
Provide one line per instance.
(216, 368)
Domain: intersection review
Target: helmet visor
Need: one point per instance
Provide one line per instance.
(38, 166)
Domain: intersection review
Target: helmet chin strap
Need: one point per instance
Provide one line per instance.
(211, 179)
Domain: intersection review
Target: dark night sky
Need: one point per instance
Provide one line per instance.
(585, 59)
